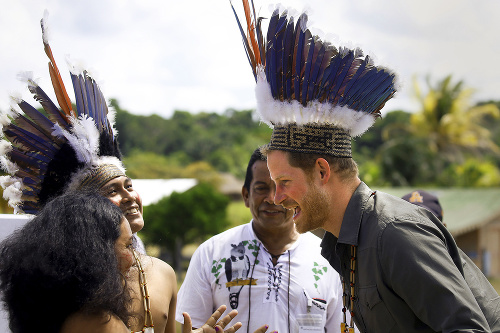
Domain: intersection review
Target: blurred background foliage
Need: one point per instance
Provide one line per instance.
(448, 142)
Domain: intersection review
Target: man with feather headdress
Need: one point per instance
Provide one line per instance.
(399, 265)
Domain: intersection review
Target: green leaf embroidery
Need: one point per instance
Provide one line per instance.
(318, 271)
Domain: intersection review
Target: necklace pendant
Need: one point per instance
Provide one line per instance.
(149, 330)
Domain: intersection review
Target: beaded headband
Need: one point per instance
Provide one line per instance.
(98, 177)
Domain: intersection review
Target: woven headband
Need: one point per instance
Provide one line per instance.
(98, 177)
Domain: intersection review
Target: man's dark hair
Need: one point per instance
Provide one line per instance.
(256, 156)
(63, 261)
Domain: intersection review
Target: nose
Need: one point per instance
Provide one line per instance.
(126, 196)
(270, 195)
(279, 196)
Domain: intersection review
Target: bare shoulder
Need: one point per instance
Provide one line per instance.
(84, 323)
(158, 266)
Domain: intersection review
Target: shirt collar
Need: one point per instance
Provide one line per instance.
(351, 224)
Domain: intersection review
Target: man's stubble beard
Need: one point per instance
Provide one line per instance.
(314, 211)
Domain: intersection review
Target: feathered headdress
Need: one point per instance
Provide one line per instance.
(55, 150)
(314, 96)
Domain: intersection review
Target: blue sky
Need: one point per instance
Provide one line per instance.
(155, 56)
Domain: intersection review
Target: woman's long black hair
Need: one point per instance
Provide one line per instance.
(61, 262)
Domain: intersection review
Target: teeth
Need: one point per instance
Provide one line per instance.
(131, 211)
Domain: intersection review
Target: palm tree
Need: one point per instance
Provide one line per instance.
(444, 132)
(448, 121)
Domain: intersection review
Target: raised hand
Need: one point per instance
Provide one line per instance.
(213, 325)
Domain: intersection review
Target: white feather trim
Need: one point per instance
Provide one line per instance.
(111, 120)
(45, 27)
(75, 67)
(8, 166)
(84, 138)
(5, 117)
(27, 77)
(13, 193)
(6, 181)
(78, 67)
(275, 112)
(5, 147)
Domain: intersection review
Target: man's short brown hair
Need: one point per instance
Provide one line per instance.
(345, 167)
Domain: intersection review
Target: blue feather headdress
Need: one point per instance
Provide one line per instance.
(316, 97)
(55, 150)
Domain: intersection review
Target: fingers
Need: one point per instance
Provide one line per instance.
(234, 328)
(262, 329)
(186, 328)
(227, 318)
(215, 316)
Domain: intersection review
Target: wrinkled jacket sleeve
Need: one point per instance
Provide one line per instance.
(416, 264)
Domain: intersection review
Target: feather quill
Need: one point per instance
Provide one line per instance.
(57, 82)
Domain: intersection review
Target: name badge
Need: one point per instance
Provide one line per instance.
(310, 323)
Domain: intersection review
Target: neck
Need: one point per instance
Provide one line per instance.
(341, 193)
(276, 239)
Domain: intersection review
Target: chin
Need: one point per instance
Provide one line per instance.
(301, 228)
(136, 224)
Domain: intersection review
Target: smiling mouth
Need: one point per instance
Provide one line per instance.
(131, 211)
(296, 211)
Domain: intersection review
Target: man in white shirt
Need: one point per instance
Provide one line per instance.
(265, 269)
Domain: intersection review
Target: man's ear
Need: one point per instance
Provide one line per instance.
(322, 168)
(244, 194)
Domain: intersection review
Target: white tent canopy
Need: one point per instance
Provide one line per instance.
(152, 190)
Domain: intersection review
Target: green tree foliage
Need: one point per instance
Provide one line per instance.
(451, 125)
(435, 141)
(223, 140)
(181, 218)
(472, 173)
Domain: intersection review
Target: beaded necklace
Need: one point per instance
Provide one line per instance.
(344, 327)
(148, 317)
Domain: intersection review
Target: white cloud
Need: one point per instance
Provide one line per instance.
(157, 56)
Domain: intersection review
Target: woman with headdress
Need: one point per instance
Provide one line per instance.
(61, 150)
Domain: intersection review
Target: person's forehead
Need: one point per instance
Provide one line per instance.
(279, 166)
(260, 170)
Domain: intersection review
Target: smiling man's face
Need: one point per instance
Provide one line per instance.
(260, 199)
(297, 192)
